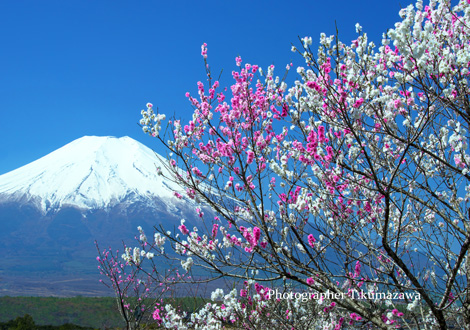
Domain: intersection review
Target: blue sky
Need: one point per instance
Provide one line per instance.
(80, 67)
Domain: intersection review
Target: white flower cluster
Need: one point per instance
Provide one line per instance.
(187, 264)
(213, 315)
(132, 255)
(458, 139)
(135, 255)
(174, 319)
(159, 240)
(151, 122)
(142, 236)
(195, 244)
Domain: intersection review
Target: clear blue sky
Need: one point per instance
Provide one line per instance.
(70, 68)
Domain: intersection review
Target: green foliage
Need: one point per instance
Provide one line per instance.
(23, 323)
(27, 323)
(52, 313)
(187, 304)
(84, 311)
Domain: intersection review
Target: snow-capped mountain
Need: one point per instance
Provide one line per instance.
(53, 209)
(91, 173)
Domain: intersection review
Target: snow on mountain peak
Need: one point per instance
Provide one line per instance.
(90, 172)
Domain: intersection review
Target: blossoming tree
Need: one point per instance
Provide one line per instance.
(138, 290)
(353, 180)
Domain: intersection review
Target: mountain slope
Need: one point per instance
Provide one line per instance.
(90, 172)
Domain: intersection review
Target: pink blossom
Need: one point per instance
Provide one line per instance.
(311, 240)
(204, 50)
(183, 229)
(215, 227)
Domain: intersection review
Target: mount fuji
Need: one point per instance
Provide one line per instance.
(89, 173)
(53, 209)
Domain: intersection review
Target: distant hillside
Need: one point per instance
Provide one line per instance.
(96, 312)
(88, 312)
